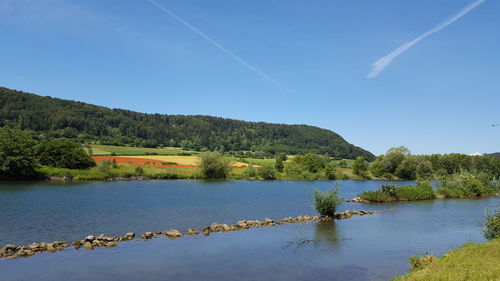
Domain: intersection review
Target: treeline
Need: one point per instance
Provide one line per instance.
(463, 184)
(57, 118)
(21, 155)
(399, 163)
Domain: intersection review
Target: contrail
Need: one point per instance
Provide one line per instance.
(382, 63)
(219, 46)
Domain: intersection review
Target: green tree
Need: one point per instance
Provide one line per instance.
(282, 156)
(63, 153)
(214, 165)
(16, 154)
(407, 169)
(360, 167)
(331, 171)
(267, 172)
(279, 165)
(250, 171)
(424, 170)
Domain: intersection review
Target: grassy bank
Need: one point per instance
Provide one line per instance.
(469, 262)
(388, 193)
(460, 185)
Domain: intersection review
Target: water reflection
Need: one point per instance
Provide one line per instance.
(327, 232)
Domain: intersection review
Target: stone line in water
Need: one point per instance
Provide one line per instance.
(90, 242)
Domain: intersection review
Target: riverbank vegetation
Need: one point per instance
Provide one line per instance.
(399, 163)
(460, 185)
(392, 192)
(26, 156)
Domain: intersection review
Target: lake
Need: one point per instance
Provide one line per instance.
(373, 247)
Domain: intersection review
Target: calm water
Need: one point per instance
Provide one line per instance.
(372, 247)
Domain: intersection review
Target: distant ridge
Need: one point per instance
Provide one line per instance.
(496, 154)
(72, 119)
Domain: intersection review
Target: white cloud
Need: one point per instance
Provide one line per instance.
(382, 63)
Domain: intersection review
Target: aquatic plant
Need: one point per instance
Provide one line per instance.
(326, 203)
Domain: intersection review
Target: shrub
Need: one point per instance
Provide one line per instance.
(267, 172)
(417, 263)
(492, 225)
(360, 167)
(421, 191)
(250, 171)
(391, 192)
(139, 171)
(214, 165)
(389, 189)
(330, 171)
(466, 184)
(326, 203)
(376, 196)
(105, 166)
(279, 165)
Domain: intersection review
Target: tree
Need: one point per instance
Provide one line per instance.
(331, 171)
(214, 165)
(282, 156)
(279, 165)
(16, 154)
(250, 171)
(360, 167)
(424, 170)
(267, 172)
(407, 169)
(63, 153)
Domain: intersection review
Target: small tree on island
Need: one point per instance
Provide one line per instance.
(326, 203)
(214, 165)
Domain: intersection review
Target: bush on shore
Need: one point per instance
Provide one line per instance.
(326, 203)
(467, 184)
(214, 165)
(492, 225)
(267, 172)
(387, 193)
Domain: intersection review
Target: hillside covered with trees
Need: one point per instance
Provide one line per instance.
(57, 118)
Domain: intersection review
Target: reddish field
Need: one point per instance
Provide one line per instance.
(344, 170)
(132, 161)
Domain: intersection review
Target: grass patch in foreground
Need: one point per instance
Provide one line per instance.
(479, 262)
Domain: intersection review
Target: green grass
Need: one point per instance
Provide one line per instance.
(121, 171)
(478, 262)
(388, 193)
(99, 150)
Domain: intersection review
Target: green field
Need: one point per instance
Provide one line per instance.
(101, 150)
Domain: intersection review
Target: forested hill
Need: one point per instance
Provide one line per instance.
(52, 117)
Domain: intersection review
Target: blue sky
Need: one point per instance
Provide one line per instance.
(440, 96)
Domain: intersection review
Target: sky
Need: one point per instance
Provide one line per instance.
(381, 73)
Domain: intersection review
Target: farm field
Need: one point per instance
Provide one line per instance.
(160, 161)
(99, 150)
